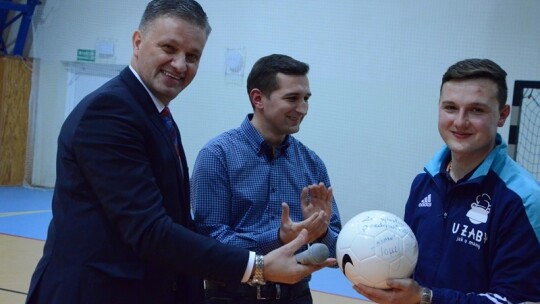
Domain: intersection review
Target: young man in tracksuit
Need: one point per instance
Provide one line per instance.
(475, 212)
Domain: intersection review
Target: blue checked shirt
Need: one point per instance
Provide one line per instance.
(238, 187)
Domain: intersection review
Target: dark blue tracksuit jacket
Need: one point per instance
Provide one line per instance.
(479, 239)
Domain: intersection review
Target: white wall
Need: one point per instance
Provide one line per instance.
(375, 75)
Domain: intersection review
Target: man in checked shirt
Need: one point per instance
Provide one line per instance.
(257, 186)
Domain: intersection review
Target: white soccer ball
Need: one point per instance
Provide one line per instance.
(374, 246)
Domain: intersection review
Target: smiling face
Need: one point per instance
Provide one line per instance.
(281, 113)
(166, 55)
(469, 116)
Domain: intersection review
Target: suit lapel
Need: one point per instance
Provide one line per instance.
(186, 208)
(182, 172)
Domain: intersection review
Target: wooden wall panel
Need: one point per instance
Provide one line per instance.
(15, 85)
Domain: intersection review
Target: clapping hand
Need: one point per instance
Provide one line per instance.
(316, 203)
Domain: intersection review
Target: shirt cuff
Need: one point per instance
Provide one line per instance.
(249, 267)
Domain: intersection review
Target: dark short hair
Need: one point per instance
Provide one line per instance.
(264, 71)
(187, 10)
(479, 68)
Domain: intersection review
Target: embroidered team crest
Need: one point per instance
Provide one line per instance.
(480, 209)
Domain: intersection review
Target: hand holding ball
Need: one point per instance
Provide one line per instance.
(375, 246)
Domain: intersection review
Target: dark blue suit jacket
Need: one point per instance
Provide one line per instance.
(121, 230)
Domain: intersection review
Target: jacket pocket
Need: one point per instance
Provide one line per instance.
(113, 283)
(120, 270)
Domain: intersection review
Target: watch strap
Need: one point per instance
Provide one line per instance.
(258, 274)
(427, 295)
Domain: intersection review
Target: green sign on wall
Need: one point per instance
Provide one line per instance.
(86, 55)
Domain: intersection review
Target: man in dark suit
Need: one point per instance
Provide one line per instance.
(121, 230)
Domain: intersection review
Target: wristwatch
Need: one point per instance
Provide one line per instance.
(258, 277)
(427, 294)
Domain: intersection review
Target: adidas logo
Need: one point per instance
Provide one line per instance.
(426, 201)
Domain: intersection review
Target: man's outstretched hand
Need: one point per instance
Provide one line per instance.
(280, 265)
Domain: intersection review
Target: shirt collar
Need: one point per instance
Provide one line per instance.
(259, 144)
(159, 105)
(482, 169)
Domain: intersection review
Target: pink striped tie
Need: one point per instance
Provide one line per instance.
(167, 119)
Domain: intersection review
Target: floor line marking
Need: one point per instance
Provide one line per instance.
(15, 213)
(14, 291)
